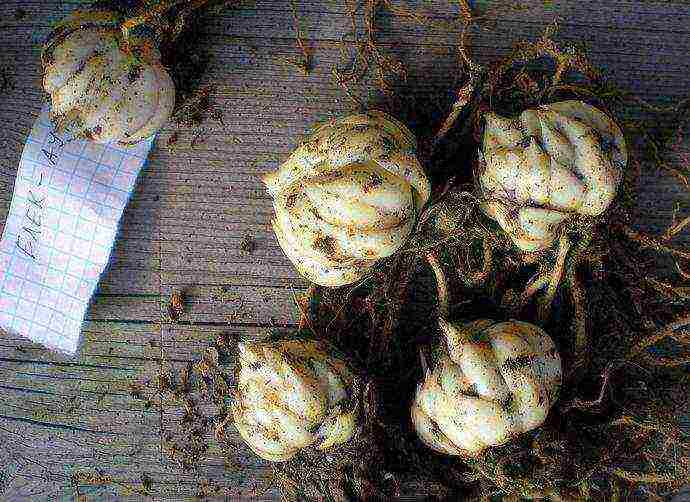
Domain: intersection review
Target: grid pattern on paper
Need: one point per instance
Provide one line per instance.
(68, 199)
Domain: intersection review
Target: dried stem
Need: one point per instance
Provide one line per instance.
(579, 299)
(303, 306)
(391, 290)
(464, 97)
(675, 228)
(157, 11)
(665, 332)
(466, 93)
(644, 477)
(650, 242)
(669, 291)
(479, 276)
(305, 63)
(441, 284)
(556, 276)
(582, 404)
(537, 282)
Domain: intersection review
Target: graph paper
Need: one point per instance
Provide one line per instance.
(68, 199)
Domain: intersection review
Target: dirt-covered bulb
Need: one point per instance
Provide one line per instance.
(347, 197)
(103, 87)
(293, 394)
(549, 165)
(491, 382)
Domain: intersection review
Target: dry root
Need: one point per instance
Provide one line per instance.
(368, 55)
(168, 18)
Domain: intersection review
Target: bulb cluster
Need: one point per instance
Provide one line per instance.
(347, 198)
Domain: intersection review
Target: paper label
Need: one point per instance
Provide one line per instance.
(68, 199)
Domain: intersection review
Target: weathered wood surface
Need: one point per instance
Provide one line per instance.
(194, 205)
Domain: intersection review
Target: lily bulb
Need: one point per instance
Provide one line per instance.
(494, 381)
(101, 87)
(347, 197)
(549, 165)
(292, 395)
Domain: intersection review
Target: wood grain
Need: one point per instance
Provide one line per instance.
(194, 205)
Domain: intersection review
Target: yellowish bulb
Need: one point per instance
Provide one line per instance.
(547, 166)
(102, 88)
(493, 381)
(348, 197)
(291, 395)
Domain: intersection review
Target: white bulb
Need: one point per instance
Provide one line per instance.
(348, 197)
(549, 165)
(494, 381)
(293, 394)
(101, 88)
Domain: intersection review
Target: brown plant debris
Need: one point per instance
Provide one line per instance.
(200, 390)
(176, 305)
(80, 479)
(304, 61)
(248, 244)
(194, 108)
(367, 56)
(169, 18)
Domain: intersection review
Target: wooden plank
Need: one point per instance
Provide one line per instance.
(78, 413)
